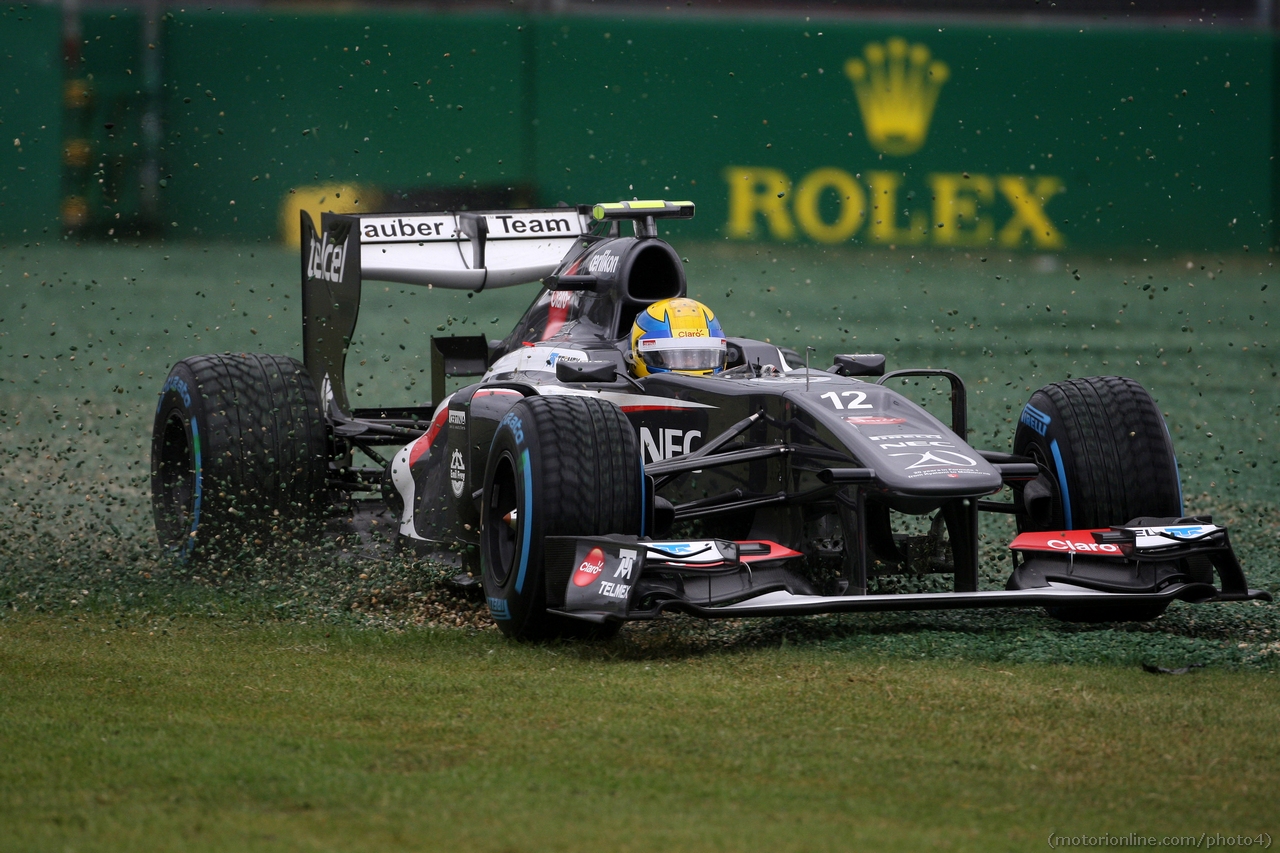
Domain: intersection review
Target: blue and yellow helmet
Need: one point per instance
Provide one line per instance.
(677, 336)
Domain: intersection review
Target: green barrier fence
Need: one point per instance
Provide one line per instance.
(30, 121)
(979, 135)
(919, 135)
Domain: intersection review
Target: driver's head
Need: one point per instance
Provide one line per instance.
(677, 336)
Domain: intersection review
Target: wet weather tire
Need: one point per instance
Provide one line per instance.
(239, 455)
(566, 466)
(1105, 458)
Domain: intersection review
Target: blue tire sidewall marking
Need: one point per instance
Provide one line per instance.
(174, 383)
(199, 490)
(526, 521)
(1062, 483)
(499, 607)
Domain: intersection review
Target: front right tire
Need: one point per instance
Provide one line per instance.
(558, 466)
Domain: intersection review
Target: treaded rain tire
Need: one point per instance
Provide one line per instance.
(1105, 458)
(568, 466)
(239, 455)
(1104, 448)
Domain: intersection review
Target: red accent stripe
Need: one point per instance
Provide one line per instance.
(776, 551)
(423, 444)
(1064, 542)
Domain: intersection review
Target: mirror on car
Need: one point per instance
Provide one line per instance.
(859, 364)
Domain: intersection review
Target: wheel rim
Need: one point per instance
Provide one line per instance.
(177, 480)
(500, 534)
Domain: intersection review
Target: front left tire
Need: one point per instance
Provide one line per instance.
(558, 466)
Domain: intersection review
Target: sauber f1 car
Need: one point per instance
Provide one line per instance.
(582, 488)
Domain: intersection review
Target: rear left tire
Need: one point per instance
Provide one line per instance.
(239, 455)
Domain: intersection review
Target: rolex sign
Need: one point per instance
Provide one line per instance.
(898, 134)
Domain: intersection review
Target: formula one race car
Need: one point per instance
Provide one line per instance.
(619, 457)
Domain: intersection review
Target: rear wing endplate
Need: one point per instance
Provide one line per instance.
(468, 250)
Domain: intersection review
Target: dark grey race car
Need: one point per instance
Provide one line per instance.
(581, 497)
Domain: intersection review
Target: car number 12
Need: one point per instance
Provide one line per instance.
(856, 403)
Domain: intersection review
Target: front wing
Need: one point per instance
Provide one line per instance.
(613, 578)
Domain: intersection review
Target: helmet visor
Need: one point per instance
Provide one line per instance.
(693, 354)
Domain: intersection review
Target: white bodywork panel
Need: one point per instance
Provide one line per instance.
(431, 248)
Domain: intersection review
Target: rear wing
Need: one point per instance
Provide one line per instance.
(465, 250)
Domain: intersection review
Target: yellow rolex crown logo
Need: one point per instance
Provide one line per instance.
(897, 87)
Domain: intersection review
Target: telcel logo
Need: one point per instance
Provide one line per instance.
(327, 260)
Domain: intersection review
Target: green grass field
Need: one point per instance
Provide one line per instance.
(188, 735)
(344, 704)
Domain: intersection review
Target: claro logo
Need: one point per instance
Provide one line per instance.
(589, 569)
(1068, 545)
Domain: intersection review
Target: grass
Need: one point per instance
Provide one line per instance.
(197, 734)
(344, 703)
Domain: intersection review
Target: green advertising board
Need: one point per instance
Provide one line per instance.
(1036, 137)
(266, 111)
(896, 134)
(30, 121)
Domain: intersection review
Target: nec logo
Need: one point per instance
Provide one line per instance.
(660, 444)
(327, 260)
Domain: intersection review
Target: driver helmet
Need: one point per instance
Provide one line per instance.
(677, 336)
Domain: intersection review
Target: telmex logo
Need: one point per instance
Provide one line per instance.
(897, 87)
